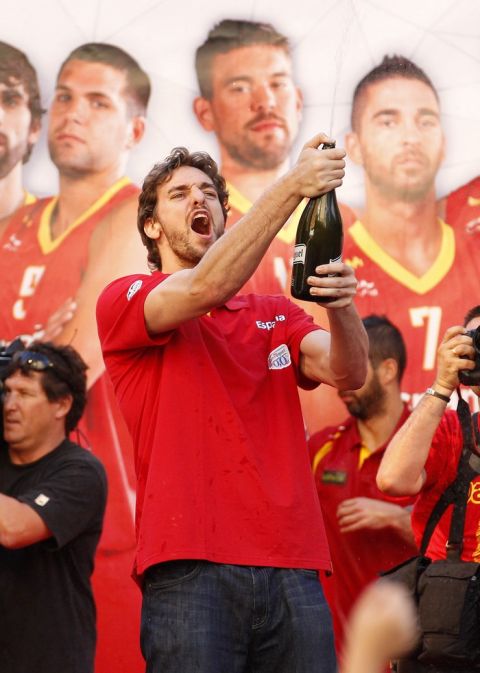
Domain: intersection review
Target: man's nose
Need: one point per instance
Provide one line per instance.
(410, 130)
(76, 109)
(197, 194)
(263, 98)
(9, 402)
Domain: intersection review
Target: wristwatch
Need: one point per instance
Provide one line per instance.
(431, 391)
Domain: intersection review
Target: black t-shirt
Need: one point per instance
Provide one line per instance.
(47, 612)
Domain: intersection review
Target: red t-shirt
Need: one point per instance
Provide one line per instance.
(441, 469)
(343, 469)
(221, 460)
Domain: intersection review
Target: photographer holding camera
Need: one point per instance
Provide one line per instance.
(423, 456)
(52, 502)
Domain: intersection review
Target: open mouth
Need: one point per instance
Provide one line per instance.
(201, 223)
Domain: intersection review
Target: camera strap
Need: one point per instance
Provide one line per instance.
(457, 492)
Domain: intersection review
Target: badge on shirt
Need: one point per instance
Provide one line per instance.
(334, 477)
(279, 358)
(42, 499)
(134, 288)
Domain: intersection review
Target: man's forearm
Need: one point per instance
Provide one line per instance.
(20, 525)
(349, 347)
(401, 471)
(401, 520)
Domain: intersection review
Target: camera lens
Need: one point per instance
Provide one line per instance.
(476, 339)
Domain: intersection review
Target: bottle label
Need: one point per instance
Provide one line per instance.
(299, 253)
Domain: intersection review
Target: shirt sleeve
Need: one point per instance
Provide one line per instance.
(70, 499)
(299, 325)
(120, 314)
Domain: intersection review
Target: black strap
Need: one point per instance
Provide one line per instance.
(457, 492)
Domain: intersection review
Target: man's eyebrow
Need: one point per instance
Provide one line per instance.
(12, 91)
(65, 87)
(385, 111)
(393, 111)
(186, 188)
(250, 78)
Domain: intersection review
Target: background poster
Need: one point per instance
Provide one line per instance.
(334, 43)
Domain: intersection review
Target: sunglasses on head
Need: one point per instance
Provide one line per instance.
(32, 360)
(37, 362)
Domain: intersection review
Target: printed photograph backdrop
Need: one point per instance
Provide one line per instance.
(334, 43)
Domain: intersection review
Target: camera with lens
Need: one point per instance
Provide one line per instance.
(471, 377)
(7, 351)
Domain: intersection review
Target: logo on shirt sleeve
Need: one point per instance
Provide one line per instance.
(41, 500)
(134, 288)
(279, 358)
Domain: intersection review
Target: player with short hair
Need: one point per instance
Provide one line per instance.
(249, 99)
(411, 265)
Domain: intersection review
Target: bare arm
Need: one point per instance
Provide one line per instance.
(20, 525)
(359, 513)
(339, 358)
(228, 264)
(401, 471)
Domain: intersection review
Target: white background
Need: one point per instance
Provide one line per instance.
(335, 42)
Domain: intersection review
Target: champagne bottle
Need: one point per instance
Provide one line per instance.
(319, 240)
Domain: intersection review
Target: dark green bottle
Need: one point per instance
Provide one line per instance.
(319, 240)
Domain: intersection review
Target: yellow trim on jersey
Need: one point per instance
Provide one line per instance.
(472, 201)
(47, 244)
(417, 284)
(28, 198)
(323, 451)
(287, 233)
(363, 454)
(237, 200)
(476, 551)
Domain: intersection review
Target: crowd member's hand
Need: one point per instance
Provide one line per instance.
(383, 626)
(357, 513)
(338, 280)
(454, 353)
(56, 322)
(318, 171)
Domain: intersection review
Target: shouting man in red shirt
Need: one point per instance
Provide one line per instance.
(229, 529)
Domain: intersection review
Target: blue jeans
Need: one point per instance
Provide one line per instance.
(206, 617)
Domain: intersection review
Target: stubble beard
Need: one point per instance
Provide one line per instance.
(413, 190)
(370, 404)
(261, 158)
(11, 157)
(187, 254)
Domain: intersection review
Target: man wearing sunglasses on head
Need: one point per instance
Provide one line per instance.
(52, 502)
